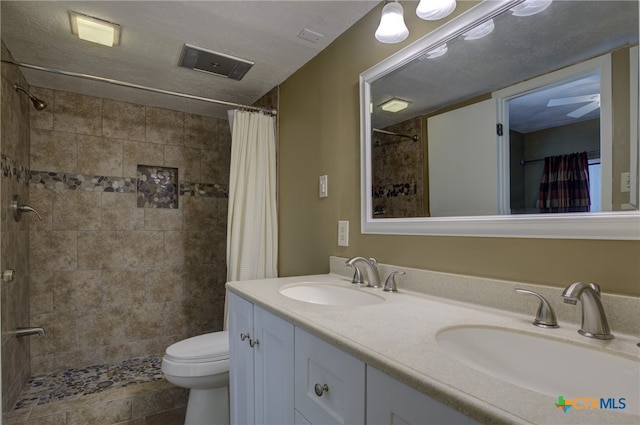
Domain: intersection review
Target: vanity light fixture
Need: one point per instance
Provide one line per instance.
(530, 7)
(480, 31)
(94, 29)
(437, 52)
(432, 10)
(394, 105)
(392, 28)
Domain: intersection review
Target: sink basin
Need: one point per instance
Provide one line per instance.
(328, 294)
(545, 365)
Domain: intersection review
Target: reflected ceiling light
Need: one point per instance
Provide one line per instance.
(480, 31)
(432, 10)
(392, 28)
(394, 105)
(94, 29)
(437, 52)
(530, 7)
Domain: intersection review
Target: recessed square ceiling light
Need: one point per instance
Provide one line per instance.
(94, 29)
(394, 105)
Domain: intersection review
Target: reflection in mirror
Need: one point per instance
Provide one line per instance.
(475, 120)
(556, 128)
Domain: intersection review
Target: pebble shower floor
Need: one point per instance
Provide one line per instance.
(72, 383)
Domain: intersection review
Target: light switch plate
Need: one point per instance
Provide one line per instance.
(323, 189)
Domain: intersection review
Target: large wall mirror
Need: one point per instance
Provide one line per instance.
(468, 130)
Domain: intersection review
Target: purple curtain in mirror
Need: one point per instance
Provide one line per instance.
(565, 184)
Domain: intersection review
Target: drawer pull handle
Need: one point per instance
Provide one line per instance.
(321, 389)
(253, 342)
(244, 336)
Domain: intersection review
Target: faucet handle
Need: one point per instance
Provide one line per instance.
(357, 275)
(595, 287)
(390, 283)
(545, 317)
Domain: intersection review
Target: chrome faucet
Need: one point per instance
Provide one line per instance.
(594, 321)
(372, 271)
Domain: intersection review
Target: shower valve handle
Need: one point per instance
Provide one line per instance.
(18, 208)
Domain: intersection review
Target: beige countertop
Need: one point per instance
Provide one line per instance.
(398, 336)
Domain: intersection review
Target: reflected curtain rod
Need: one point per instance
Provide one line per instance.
(391, 133)
(526, 161)
(137, 86)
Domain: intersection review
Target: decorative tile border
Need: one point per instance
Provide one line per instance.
(14, 171)
(73, 383)
(61, 181)
(393, 190)
(157, 187)
(87, 182)
(209, 190)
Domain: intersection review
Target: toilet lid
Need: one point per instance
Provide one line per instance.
(208, 347)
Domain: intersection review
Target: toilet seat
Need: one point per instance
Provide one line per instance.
(211, 347)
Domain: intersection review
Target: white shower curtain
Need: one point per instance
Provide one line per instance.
(252, 226)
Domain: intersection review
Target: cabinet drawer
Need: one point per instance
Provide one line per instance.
(329, 384)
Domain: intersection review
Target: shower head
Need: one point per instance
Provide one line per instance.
(37, 103)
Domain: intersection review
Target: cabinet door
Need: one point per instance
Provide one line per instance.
(241, 369)
(273, 359)
(329, 383)
(301, 420)
(392, 402)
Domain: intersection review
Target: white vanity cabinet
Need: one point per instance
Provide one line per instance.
(281, 374)
(329, 383)
(390, 402)
(261, 365)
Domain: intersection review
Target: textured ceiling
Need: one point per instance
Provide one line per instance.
(153, 34)
(519, 48)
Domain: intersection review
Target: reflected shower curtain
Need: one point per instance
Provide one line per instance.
(565, 184)
(252, 227)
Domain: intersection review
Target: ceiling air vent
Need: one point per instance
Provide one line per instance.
(200, 59)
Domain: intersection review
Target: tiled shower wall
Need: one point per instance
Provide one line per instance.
(110, 280)
(398, 173)
(14, 236)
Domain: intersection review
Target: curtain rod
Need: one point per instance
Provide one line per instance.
(526, 161)
(391, 133)
(137, 86)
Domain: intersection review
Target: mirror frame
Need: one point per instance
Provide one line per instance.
(619, 225)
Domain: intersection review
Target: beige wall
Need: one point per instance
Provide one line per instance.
(319, 134)
(111, 280)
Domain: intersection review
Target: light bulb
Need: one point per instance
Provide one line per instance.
(392, 28)
(432, 10)
(480, 31)
(530, 7)
(437, 52)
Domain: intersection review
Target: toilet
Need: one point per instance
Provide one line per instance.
(201, 364)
